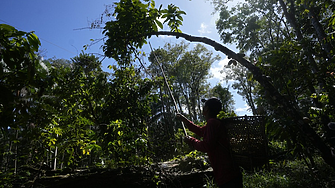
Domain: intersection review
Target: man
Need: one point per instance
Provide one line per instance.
(215, 143)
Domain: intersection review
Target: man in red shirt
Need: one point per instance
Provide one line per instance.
(215, 143)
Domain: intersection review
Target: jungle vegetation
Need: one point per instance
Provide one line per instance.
(70, 114)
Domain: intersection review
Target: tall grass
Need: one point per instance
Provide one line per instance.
(288, 174)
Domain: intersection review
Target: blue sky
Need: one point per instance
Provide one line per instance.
(56, 23)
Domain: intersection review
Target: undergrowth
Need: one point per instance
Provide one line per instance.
(288, 174)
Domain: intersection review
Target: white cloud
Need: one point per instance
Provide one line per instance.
(165, 36)
(204, 29)
(211, 26)
(243, 110)
(215, 70)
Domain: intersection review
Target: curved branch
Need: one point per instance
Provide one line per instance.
(256, 71)
(217, 46)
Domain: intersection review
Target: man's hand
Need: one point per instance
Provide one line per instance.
(181, 117)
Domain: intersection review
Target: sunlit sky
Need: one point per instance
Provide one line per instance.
(58, 23)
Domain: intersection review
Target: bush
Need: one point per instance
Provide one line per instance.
(292, 173)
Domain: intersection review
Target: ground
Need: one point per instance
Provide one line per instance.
(183, 173)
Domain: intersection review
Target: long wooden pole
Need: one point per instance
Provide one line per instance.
(167, 85)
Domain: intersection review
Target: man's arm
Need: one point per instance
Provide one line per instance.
(210, 139)
(191, 126)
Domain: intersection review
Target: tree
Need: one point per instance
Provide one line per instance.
(188, 86)
(97, 121)
(282, 40)
(126, 111)
(77, 91)
(225, 96)
(142, 20)
(188, 71)
(243, 83)
(62, 113)
(22, 76)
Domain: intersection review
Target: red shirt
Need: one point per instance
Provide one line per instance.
(215, 143)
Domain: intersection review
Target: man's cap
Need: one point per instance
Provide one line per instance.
(214, 104)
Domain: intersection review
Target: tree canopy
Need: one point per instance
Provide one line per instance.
(270, 31)
(188, 70)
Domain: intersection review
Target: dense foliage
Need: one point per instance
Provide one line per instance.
(189, 71)
(62, 114)
(68, 114)
(292, 43)
(290, 46)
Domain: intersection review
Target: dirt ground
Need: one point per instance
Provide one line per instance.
(167, 174)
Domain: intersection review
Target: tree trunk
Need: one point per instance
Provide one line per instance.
(290, 16)
(55, 160)
(251, 103)
(193, 106)
(319, 30)
(179, 105)
(16, 152)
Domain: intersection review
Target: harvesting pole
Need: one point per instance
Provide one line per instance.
(169, 89)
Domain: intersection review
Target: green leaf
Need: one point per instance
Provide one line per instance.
(33, 41)
(7, 27)
(180, 17)
(164, 16)
(250, 77)
(160, 25)
(154, 27)
(181, 12)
